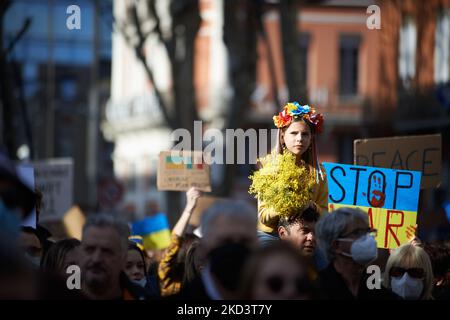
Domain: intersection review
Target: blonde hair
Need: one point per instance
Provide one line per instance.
(308, 157)
(411, 256)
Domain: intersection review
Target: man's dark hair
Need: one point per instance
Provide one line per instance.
(309, 214)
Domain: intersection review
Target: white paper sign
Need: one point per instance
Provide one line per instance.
(54, 178)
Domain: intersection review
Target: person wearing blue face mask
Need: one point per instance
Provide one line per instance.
(350, 247)
(136, 269)
(409, 273)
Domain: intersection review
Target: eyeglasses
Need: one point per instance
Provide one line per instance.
(417, 273)
(360, 232)
(276, 284)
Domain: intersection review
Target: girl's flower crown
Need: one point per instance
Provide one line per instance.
(293, 110)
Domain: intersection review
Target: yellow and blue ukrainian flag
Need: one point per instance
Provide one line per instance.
(154, 230)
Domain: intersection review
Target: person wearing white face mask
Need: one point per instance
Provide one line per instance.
(409, 273)
(349, 245)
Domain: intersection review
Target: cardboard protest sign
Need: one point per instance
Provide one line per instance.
(390, 198)
(180, 170)
(26, 173)
(54, 178)
(74, 221)
(56, 228)
(418, 153)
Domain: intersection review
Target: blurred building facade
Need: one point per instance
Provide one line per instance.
(133, 121)
(375, 83)
(415, 62)
(62, 80)
(367, 82)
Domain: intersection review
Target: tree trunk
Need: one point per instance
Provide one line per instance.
(186, 22)
(6, 91)
(240, 32)
(295, 80)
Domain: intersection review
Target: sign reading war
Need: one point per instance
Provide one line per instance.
(389, 197)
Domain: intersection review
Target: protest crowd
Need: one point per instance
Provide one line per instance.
(295, 249)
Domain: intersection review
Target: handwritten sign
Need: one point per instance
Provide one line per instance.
(418, 153)
(54, 178)
(390, 198)
(73, 221)
(180, 170)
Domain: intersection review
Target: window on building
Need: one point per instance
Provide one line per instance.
(442, 47)
(68, 88)
(407, 54)
(345, 147)
(348, 64)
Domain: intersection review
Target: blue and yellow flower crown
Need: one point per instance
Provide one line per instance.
(293, 110)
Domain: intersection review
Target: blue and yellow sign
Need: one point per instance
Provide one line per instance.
(390, 198)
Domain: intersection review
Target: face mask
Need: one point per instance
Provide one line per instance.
(9, 224)
(226, 262)
(406, 287)
(363, 250)
(35, 261)
(141, 282)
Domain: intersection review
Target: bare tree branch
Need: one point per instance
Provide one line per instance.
(19, 35)
(140, 54)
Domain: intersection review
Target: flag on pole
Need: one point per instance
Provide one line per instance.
(154, 230)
